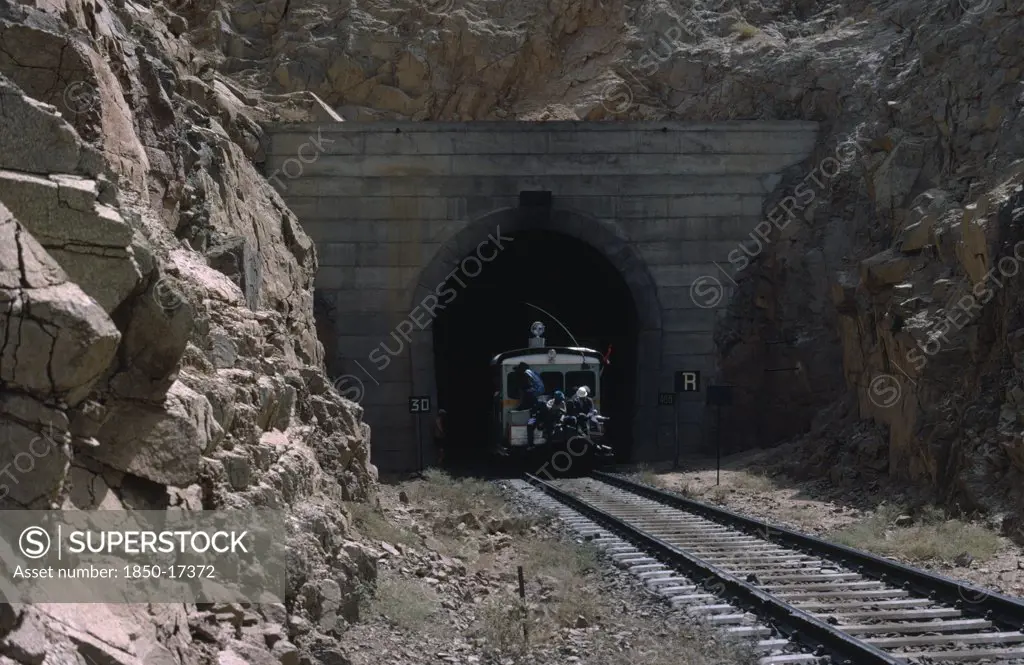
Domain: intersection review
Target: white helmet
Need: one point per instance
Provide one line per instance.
(582, 392)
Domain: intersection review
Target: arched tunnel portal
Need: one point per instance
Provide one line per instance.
(515, 266)
(394, 207)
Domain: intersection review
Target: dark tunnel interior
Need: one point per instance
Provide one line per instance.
(492, 313)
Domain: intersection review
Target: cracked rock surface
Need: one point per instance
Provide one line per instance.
(138, 368)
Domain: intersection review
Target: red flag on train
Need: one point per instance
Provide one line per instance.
(608, 355)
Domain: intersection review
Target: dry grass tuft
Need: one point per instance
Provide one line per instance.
(409, 604)
(559, 558)
(454, 545)
(743, 481)
(752, 482)
(930, 536)
(500, 623)
(456, 494)
(646, 475)
(373, 524)
(559, 592)
(744, 30)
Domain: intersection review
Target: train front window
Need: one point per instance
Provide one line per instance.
(582, 378)
(552, 381)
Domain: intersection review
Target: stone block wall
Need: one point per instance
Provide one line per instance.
(393, 207)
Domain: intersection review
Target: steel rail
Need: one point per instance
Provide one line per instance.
(793, 622)
(1005, 611)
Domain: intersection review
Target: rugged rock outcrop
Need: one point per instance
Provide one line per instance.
(157, 341)
(908, 258)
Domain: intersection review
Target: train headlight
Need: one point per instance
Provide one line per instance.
(552, 355)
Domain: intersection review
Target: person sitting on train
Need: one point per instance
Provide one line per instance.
(556, 408)
(581, 404)
(531, 387)
(558, 403)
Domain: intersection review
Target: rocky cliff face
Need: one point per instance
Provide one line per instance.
(157, 342)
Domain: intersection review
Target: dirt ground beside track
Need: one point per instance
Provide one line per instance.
(447, 589)
(879, 517)
(449, 548)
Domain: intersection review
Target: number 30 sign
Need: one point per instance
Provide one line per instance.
(419, 405)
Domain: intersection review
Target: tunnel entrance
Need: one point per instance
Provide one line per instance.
(577, 287)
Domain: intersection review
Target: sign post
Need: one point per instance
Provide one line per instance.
(719, 396)
(669, 399)
(419, 445)
(419, 405)
(675, 427)
(685, 381)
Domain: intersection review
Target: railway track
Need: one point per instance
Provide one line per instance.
(799, 598)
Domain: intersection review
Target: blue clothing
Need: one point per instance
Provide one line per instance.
(531, 389)
(536, 383)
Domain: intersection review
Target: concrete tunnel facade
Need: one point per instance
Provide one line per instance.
(395, 207)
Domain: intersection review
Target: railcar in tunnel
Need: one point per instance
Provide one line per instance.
(584, 303)
(582, 436)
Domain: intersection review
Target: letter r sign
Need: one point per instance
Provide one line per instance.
(687, 382)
